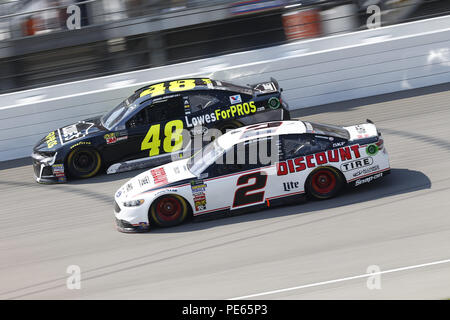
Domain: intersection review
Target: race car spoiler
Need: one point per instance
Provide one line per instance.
(264, 88)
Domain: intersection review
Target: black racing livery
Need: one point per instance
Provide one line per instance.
(147, 126)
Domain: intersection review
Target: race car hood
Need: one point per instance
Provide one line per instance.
(362, 131)
(170, 174)
(68, 134)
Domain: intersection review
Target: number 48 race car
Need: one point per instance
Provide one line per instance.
(257, 166)
(146, 130)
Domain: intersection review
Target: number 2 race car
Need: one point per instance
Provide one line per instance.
(259, 166)
(148, 126)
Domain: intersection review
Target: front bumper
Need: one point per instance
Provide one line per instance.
(126, 227)
(46, 171)
(130, 220)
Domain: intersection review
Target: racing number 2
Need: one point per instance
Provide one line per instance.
(173, 138)
(241, 197)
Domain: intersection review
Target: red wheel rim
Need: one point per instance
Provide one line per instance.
(168, 209)
(323, 181)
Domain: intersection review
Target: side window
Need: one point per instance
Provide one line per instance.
(165, 109)
(297, 145)
(139, 119)
(158, 111)
(200, 101)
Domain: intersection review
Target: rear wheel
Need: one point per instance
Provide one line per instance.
(169, 210)
(230, 125)
(84, 163)
(324, 183)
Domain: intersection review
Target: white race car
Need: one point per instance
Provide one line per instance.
(253, 167)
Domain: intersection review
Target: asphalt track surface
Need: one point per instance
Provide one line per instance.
(400, 221)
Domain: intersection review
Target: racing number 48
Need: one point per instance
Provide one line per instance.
(241, 197)
(173, 138)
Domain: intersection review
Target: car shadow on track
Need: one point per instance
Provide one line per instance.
(399, 182)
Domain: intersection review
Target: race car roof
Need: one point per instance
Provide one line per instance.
(261, 130)
(189, 84)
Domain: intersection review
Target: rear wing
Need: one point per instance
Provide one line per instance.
(264, 88)
(275, 82)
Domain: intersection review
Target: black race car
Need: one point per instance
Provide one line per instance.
(147, 125)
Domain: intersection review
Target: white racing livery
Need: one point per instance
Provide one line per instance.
(253, 167)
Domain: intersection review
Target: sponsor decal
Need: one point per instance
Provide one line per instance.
(200, 120)
(129, 187)
(199, 130)
(372, 149)
(159, 176)
(114, 137)
(80, 143)
(75, 131)
(198, 188)
(318, 159)
(368, 179)
(235, 99)
(241, 109)
(144, 181)
(70, 132)
(187, 106)
(338, 144)
(366, 171)
(143, 225)
(200, 202)
(289, 186)
(50, 139)
(118, 194)
(352, 165)
(274, 103)
(58, 170)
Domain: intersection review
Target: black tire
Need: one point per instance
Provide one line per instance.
(83, 163)
(229, 125)
(324, 183)
(169, 210)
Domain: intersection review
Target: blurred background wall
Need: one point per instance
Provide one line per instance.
(46, 42)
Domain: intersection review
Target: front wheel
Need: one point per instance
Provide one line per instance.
(169, 210)
(84, 163)
(324, 183)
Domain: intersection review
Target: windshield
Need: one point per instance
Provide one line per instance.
(114, 116)
(205, 157)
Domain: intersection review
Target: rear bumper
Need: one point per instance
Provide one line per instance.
(286, 115)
